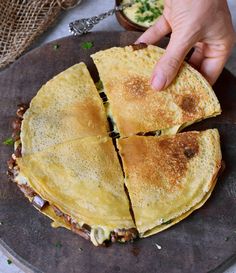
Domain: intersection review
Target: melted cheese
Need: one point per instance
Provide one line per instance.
(21, 179)
(98, 234)
(170, 131)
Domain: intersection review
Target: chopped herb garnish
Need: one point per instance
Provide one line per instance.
(148, 11)
(8, 141)
(1, 223)
(99, 85)
(58, 245)
(226, 239)
(9, 261)
(56, 46)
(167, 222)
(80, 249)
(87, 45)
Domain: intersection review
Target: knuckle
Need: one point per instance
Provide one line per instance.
(228, 44)
(159, 29)
(173, 63)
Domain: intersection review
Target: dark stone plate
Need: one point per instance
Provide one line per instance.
(204, 241)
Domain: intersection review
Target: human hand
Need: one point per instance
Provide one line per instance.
(205, 25)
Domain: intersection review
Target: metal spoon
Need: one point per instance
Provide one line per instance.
(84, 25)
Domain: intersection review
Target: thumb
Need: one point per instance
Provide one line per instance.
(168, 66)
(155, 32)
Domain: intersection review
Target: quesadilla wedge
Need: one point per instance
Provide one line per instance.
(65, 108)
(83, 180)
(136, 108)
(168, 177)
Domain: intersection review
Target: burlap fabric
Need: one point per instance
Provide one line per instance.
(21, 21)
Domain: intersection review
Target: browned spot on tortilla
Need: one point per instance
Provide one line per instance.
(189, 152)
(175, 153)
(162, 163)
(189, 103)
(136, 87)
(139, 46)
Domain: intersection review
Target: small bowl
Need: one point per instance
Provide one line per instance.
(125, 22)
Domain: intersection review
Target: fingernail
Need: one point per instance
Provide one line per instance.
(158, 81)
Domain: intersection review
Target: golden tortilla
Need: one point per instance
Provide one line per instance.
(83, 178)
(65, 108)
(168, 176)
(135, 107)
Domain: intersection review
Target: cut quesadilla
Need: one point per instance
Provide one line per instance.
(136, 108)
(168, 177)
(65, 108)
(68, 166)
(81, 179)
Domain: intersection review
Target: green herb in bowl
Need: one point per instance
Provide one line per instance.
(144, 12)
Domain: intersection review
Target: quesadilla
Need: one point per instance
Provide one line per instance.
(65, 108)
(82, 179)
(136, 108)
(168, 177)
(68, 166)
